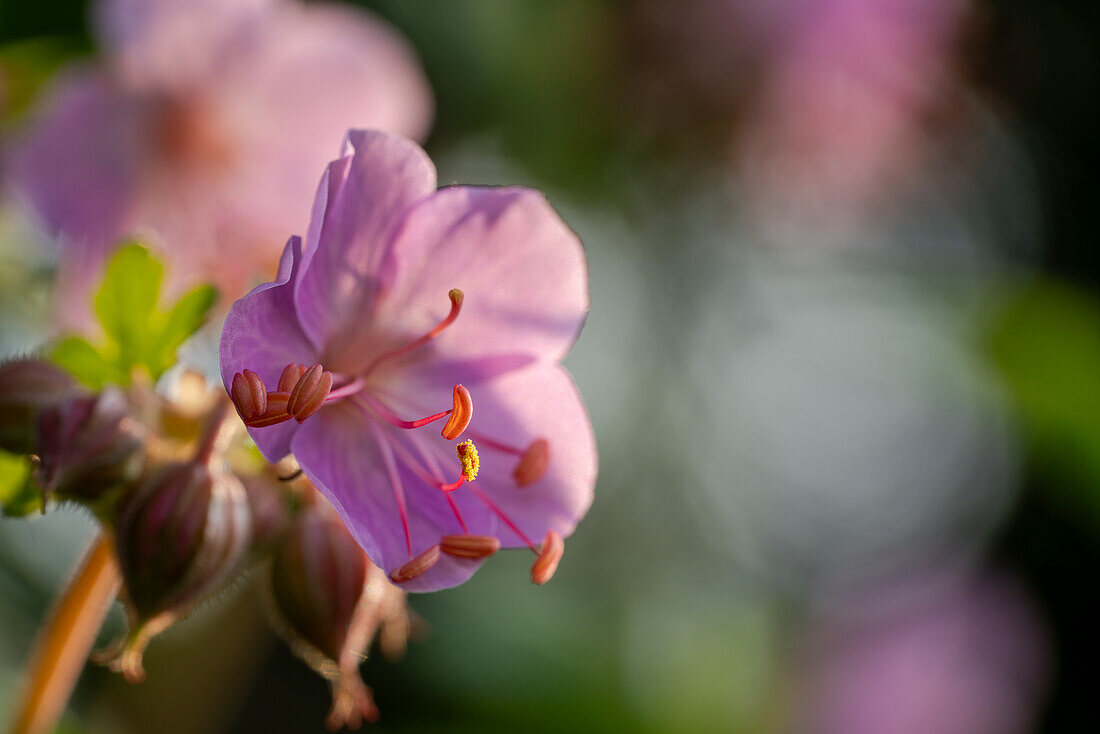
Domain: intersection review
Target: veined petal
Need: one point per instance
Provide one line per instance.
(261, 333)
(340, 452)
(365, 199)
(521, 269)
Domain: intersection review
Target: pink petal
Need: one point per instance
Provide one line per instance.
(342, 263)
(176, 44)
(78, 169)
(521, 269)
(261, 333)
(343, 67)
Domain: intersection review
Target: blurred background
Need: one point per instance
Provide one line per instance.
(843, 364)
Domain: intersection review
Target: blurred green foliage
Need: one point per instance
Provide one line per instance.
(19, 494)
(1047, 344)
(139, 336)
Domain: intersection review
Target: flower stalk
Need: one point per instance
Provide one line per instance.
(63, 644)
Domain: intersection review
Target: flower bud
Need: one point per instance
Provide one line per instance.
(88, 445)
(27, 387)
(329, 601)
(180, 536)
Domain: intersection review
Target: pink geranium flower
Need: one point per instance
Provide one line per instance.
(202, 128)
(407, 301)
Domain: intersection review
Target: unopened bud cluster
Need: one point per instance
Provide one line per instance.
(187, 521)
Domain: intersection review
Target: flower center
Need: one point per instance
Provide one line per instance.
(186, 134)
(301, 392)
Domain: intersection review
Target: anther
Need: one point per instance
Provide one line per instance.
(417, 566)
(275, 413)
(309, 392)
(291, 374)
(549, 555)
(467, 456)
(469, 546)
(532, 465)
(461, 414)
(249, 394)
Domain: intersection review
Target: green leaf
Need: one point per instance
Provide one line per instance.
(19, 495)
(139, 334)
(127, 302)
(86, 363)
(183, 320)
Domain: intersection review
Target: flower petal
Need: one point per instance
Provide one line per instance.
(175, 44)
(340, 451)
(521, 270)
(362, 201)
(78, 171)
(261, 333)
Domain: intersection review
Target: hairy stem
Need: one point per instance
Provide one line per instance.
(63, 644)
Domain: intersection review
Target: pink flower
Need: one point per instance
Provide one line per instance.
(203, 128)
(454, 304)
(854, 94)
(970, 657)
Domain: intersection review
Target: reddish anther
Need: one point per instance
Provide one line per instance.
(461, 414)
(532, 465)
(549, 555)
(417, 566)
(276, 411)
(249, 394)
(309, 393)
(291, 374)
(469, 546)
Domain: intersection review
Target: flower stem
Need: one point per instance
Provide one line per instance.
(64, 642)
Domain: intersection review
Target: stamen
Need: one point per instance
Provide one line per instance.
(533, 461)
(463, 405)
(456, 305)
(353, 387)
(467, 456)
(276, 411)
(417, 566)
(461, 414)
(291, 374)
(549, 555)
(532, 465)
(249, 394)
(309, 392)
(469, 546)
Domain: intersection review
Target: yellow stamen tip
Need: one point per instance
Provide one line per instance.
(456, 296)
(467, 456)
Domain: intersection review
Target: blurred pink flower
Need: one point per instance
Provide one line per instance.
(852, 89)
(968, 659)
(203, 128)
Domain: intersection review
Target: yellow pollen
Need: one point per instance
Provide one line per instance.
(467, 456)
